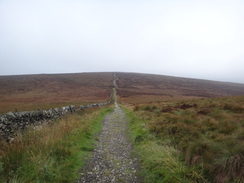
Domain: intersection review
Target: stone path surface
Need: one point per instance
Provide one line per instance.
(112, 160)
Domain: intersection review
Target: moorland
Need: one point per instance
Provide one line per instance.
(185, 130)
(182, 129)
(140, 88)
(45, 91)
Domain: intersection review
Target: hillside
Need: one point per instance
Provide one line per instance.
(32, 92)
(139, 88)
(180, 130)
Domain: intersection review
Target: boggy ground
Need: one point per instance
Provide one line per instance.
(112, 160)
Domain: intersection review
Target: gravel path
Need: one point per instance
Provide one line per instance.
(112, 160)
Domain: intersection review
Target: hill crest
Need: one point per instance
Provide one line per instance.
(44, 91)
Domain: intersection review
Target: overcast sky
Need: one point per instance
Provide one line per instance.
(188, 38)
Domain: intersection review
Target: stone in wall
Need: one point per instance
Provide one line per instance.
(15, 121)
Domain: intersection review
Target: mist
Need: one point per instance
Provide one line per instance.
(196, 39)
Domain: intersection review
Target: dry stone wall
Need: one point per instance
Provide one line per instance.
(16, 121)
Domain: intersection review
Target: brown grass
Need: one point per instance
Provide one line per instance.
(208, 132)
(32, 92)
(53, 153)
(142, 88)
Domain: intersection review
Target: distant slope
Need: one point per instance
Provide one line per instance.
(45, 91)
(134, 84)
(32, 92)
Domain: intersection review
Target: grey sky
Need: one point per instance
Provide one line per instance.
(189, 38)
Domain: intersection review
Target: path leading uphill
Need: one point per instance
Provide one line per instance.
(112, 160)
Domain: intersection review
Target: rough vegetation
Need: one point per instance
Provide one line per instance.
(206, 134)
(179, 135)
(46, 91)
(54, 152)
(12, 122)
(138, 88)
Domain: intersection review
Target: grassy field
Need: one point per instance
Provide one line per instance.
(198, 139)
(32, 92)
(54, 153)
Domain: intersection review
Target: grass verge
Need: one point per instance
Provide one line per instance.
(55, 153)
(206, 133)
(159, 161)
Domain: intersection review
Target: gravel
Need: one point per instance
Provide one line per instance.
(112, 160)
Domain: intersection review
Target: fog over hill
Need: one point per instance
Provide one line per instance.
(195, 39)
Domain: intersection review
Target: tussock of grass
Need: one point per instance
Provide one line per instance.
(53, 154)
(207, 132)
(159, 160)
(166, 165)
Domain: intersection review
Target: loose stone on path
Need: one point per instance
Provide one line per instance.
(112, 160)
